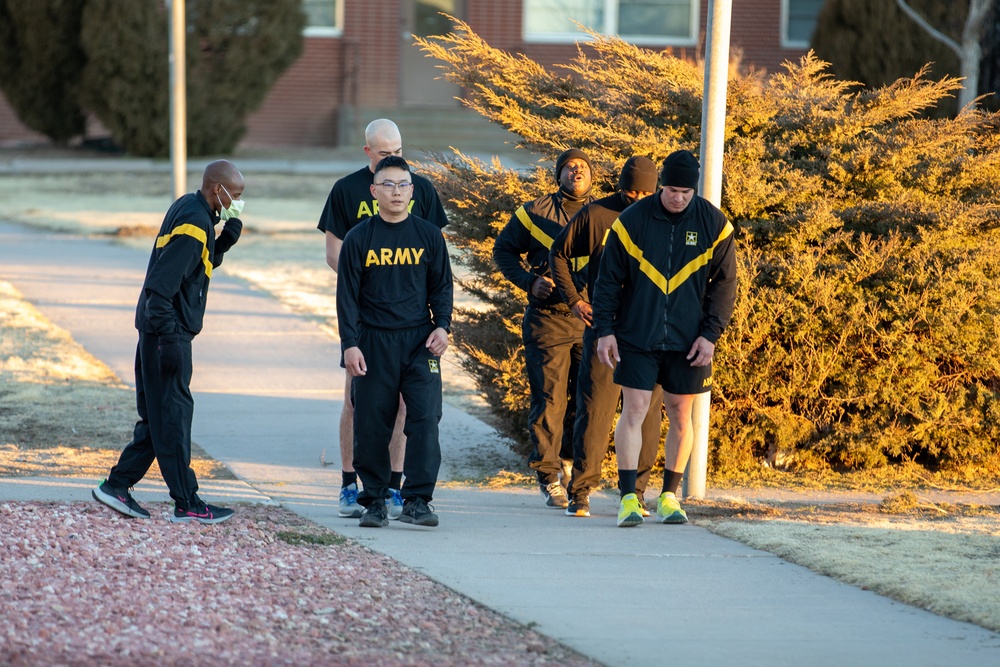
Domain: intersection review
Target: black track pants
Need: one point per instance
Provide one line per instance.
(163, 432)
(398, 363)
(597, 399)
(553, 346)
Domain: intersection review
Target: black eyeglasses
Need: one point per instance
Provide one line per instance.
(390, 185)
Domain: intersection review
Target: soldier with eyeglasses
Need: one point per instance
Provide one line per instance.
(394, 303)
(351, 201)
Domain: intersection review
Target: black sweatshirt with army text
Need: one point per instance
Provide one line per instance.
(393, 276)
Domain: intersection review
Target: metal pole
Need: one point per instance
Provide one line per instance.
(713, 132)
(178, 97)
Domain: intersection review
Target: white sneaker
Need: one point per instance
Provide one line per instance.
(394, 503)
(349, 507)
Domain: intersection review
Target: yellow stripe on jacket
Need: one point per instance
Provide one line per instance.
(194, 232)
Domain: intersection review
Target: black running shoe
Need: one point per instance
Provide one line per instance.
(418, 512)
(376, 516)
(119, 499)
(579, 505)
(202, 513)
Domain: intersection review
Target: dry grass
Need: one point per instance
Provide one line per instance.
(938, 556)
(63, 413)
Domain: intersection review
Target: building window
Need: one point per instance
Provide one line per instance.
(324, 18)
(798, 20)
(673, 22)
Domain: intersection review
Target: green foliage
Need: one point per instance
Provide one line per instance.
(865, 325)
(236, 49)
(40, 64)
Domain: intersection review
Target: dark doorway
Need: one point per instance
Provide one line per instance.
(421, 83)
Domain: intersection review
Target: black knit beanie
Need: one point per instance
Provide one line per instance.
(572, 153)
(638, 174)
(680, 170)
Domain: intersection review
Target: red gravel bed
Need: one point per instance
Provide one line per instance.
(82, 585)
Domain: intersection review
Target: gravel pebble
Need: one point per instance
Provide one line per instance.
(82, 585)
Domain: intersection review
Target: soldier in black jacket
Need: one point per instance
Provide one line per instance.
(394, 303)
(596, 393)
(169, 315)
(664, 294)
(552, 335)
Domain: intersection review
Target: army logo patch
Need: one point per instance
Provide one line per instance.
(691, 238)
(434, 366)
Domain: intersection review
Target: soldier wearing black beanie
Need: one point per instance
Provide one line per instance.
(552, 335)
(664, 294)
(596, 393)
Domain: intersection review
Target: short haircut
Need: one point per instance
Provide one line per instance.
(392, 162)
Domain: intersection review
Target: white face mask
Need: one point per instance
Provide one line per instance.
(234, 210)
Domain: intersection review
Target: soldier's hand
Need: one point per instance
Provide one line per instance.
(354, 362)
(169, 351)
(607, 350)
(701, 352)
(542, 287)
(584, 311)
(229, 235)
(437, 342)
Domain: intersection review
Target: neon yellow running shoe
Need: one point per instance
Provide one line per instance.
(629, 511)
(668, 510)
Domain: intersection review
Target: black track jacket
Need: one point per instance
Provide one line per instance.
(180, 267)
(393, 276)
(584, 237)
(662, 284)
(530, 233)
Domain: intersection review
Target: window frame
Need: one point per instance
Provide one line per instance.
(786, 42)
(337, 30)
(610, 28)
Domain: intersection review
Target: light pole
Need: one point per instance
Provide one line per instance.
(178, 97)
(713, 134)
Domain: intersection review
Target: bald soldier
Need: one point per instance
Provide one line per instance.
(169, 315)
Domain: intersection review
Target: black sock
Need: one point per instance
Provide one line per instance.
(396, 480)
(672, 480)
(348, 479)
(626, 481)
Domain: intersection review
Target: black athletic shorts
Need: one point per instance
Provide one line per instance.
(671, 370)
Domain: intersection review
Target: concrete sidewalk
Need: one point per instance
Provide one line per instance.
(268, 392)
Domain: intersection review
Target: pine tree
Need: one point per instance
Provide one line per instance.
(236, 49)
(40, 64)
(865, 325)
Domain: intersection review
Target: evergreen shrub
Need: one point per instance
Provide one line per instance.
(865, 326)
(40, 65)
(236, 49)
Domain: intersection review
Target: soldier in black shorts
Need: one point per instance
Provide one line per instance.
(665, 292)
(350, 202)
(394, 304)
(596, 393)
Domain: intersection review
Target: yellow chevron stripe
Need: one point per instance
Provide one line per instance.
(699, 261)
(632, 249)
(653, 274)
(195, 232)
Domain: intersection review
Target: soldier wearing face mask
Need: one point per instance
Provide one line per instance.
(169, 315)
(552, 334)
